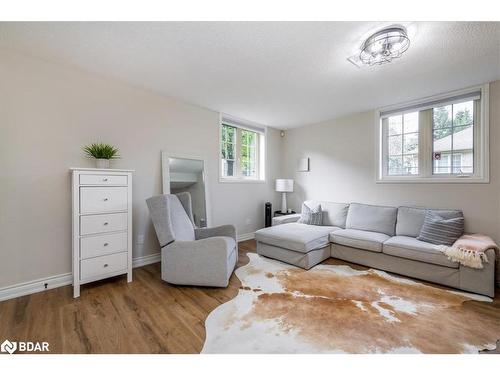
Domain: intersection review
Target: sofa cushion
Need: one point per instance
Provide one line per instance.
(360, 239)
(379, 219)
(296, 237)
(441, 231)
(283, 219)
(411, 248)
(311, 214)
(334, 214)
(410, 219)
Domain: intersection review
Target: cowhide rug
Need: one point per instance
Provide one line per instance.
(336, 309)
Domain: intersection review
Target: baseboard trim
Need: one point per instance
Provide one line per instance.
(35, 286)
(246, 236)
(52, 282)
(145, 260)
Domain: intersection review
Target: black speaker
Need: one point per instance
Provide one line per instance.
(269, 214)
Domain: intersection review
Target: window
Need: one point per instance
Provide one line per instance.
(242, 151)
(228, 144)
(403, 144)
(248, 153)
(453, 136)
(442, 139)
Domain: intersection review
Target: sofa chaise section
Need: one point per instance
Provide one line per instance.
(296, 258)
(297, 237)
(300, 244)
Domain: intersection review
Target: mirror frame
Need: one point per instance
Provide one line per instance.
(165, 172)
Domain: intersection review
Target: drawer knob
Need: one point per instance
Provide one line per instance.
(105, 244)
(106, 223)
(106, 199)
(105, 179)
(105, 265)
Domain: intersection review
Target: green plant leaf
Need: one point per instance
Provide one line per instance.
(99, 150)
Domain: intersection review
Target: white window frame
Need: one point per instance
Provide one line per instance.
(481, 144)
(260, 149)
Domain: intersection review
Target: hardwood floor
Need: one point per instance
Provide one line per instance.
(113, 316)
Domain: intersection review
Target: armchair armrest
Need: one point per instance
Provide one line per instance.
(193, 250)
(222, 230)
(207, 262)
(285, 219)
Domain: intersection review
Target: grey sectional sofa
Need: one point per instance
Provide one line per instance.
(374, 236)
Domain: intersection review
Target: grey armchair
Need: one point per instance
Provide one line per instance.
(189, 255)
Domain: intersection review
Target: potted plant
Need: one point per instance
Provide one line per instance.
(102, 152)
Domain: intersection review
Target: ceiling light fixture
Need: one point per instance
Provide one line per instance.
(384, 46)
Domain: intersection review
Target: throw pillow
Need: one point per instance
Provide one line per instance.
(441, 231)
(311, 215)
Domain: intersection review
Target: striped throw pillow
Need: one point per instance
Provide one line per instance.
(311, 215)
(441, 231)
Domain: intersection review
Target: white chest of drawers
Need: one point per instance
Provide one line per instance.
(102, 224)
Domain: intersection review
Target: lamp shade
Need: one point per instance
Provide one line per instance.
(284, 185)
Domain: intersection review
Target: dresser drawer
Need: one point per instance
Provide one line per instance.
(103, 199)
(101, 266)
(100, 179)
(92, 224)
(95, 246)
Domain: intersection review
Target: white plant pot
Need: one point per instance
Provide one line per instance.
(102, 163)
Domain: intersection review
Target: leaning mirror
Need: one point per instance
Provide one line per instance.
(186, 174)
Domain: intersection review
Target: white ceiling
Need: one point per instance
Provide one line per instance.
(282, 74)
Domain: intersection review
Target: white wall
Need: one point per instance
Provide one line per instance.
(342, 154)
(48, 112)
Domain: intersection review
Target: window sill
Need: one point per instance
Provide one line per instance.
(433, 180)
(240, 181)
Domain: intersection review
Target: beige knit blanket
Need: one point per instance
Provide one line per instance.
(469, 250)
